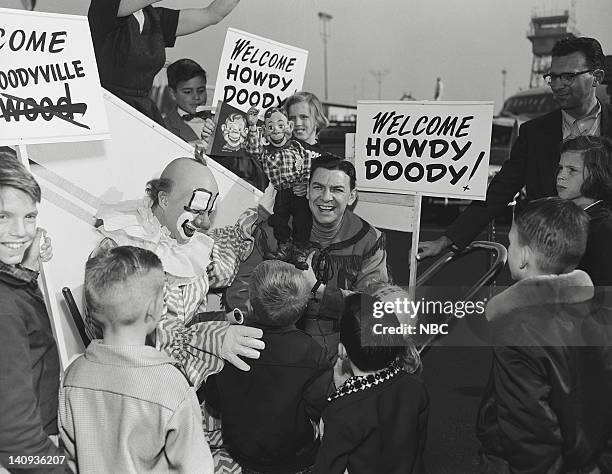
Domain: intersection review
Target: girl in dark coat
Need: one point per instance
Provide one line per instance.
(585, 177)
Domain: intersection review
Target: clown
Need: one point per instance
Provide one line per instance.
(173, 221)
(286, 164)
(234, 132)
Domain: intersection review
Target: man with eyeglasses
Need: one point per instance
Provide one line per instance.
(575, 71)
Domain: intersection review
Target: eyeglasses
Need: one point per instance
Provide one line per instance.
(201, 201)
(565, 77)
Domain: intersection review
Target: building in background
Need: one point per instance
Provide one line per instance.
(544, 32)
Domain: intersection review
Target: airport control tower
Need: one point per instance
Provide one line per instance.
(544, 32)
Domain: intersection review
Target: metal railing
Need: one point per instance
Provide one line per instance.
(501, 255)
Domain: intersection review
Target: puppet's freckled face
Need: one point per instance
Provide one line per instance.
(277, 129)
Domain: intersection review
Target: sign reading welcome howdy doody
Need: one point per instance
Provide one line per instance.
(432, 148)
(258, 72)
(49, 85)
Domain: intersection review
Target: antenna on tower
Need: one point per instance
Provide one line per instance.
(571, 23)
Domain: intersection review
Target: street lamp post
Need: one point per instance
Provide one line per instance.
(325, 34)
(503, 86)
(379, 75)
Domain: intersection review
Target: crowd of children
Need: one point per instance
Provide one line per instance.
(126, 407)
(150, 414)
(303, 407)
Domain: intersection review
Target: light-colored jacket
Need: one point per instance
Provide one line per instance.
(129, 409)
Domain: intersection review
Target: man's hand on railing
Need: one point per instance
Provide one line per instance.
(433, 248)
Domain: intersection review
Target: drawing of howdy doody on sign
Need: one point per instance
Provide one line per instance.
(258, 72)
(432, 148)
(49, 85)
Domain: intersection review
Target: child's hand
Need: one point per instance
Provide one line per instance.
(207, 130)
(39, 250)
(341, 374)
(252, 116)
(46, 249)
(199, 152)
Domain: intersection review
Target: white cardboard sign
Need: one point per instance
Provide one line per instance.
(258, 72)
(433, 148)
(49, 86)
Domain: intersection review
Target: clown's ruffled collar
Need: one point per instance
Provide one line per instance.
(133, 223)
(359, 383)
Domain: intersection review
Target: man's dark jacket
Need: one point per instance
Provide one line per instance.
(533, 163)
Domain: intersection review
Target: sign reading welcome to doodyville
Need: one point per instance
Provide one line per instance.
(49, 85)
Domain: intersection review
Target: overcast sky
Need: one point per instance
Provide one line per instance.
(466, 43)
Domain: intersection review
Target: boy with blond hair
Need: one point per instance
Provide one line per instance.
(268, 412)
(124, 406)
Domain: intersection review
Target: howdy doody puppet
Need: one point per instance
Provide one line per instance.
(286, 165)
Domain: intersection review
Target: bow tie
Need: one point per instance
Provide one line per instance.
(202, 114)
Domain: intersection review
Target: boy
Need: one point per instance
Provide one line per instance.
(546, 407)
(268, 412)
(124, 406)
(286, 165)
(29, 362)
(187, 87)
(376, 421)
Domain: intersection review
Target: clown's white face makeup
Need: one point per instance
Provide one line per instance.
(196, 216)
(186, 209)
(184, 226)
